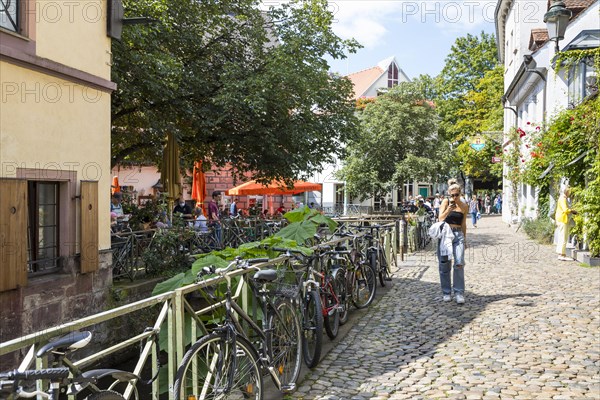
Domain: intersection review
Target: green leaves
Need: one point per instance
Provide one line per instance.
(224, 77)
(397, 129)
(298, 231)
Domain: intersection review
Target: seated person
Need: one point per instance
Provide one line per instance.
(409, 207)
(200, 222)
(115, 204)
(421, 204)
(183, 208)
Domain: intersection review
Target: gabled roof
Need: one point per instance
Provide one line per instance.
(362, 80)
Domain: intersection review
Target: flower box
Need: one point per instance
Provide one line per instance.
(591, 261)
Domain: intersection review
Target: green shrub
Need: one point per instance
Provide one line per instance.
(540, 229)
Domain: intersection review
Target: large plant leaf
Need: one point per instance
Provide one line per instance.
(179, 280)
(321, 219)
(298, 231)
(210, 259)
(297, 215)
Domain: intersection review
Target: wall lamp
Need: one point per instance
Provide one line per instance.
(557, 20)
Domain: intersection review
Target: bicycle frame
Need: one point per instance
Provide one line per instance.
(233, 325)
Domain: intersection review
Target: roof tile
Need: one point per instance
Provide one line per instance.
(537, 38)
(362, 80)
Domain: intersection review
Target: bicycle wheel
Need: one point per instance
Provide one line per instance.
(340, 286)
(214, 368)
(285, 342)
(365, 286)
(383, 272)
(331, 316)
(312, 329)
(105, 395)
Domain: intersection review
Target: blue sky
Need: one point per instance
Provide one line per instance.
(419, 33)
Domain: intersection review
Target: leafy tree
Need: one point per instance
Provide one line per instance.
(469, 60)
(398, 140)
(235, 84)
(483, 112)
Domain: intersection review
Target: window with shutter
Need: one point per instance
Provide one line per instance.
(13, 233)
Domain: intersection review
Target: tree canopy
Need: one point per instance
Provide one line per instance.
(469, 90)
(469, 59)
(398, 140)
(236, 85)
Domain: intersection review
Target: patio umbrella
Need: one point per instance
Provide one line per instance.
(199, 185)
(169, 174)
(274, 187)
(115, 188)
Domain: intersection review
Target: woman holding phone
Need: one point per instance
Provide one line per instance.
(454, 211)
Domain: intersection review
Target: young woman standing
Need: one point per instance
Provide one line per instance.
(454, 212)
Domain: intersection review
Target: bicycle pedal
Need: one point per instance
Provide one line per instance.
(288, 388)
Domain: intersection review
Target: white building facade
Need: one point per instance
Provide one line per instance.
(533, 92)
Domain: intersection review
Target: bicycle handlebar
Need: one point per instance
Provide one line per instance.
(238, 262)
(36, 374)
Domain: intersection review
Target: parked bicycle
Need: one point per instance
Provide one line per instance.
(227, 363)
(376, 253)
(311, 308)
(64, 377)
(361, 278)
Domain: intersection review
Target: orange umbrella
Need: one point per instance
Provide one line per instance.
(115, 188)
(274, 187)
(199, 185)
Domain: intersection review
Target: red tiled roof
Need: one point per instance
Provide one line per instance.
(576, 6)
(537, 38)
(362, 80)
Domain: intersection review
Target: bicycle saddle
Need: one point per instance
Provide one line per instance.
(265, 275)
(72, 341)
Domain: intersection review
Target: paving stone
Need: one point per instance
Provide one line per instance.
(528, 330)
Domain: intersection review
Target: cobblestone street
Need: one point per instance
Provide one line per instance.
(530, 329)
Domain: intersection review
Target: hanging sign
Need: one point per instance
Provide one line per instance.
(478, 143)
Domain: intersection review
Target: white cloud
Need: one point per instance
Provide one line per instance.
(363, 20)
(369, 20)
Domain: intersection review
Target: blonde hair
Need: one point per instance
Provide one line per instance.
(453, 185)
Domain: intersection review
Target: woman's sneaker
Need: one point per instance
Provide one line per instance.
(460, 299)
(446, 298)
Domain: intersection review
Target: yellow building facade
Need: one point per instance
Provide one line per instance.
(55, 124)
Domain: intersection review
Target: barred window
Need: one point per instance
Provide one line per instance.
(9, 15)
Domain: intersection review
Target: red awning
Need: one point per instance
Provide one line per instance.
(275, 187)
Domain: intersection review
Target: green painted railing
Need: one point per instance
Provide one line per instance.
(174, 307)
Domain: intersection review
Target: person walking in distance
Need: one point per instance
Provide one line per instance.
(213, 216)
(474, 210)
(453, 211)
(437, 201)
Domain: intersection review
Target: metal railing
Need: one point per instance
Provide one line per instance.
(171, 310)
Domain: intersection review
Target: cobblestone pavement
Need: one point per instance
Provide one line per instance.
(530, 329)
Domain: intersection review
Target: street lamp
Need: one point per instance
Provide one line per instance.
(557, 19)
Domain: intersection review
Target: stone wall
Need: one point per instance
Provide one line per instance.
(54, 299)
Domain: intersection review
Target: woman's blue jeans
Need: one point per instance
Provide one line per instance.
(445, 265)
(474, 218)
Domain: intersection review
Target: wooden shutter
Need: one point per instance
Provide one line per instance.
(89, 226)
(13, 233)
